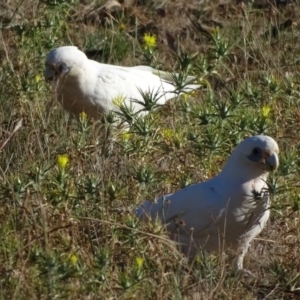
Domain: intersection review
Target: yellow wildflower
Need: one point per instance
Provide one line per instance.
(62, 161)
(173, 137)
(73, 259)
(187, 95)
(139, 262)
(150, 40)
(265, 111)
(83, 116)
(168, 134)
(118, 101)
(37, 78)
(126, 136)
(122, 26)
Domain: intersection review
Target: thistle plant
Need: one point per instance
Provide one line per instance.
(69, 187)
(272, 83)
(182, 78)
(125, 112)
(150, 100)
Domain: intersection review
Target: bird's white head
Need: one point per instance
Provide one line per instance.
(61, 60)
(253, 156)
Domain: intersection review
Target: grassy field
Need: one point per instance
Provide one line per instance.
(67, 189)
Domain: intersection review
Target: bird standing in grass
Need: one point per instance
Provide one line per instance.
(228, 211)
(85, 85)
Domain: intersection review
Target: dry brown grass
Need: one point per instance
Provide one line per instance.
(75, 237)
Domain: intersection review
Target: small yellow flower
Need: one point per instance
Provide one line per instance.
(38, 78)
(122, 26)
(62, 161)
(118, 101)
(126, 136)
(265, 111)
(139, 262)
(168, 134)
(173, 137)
(187, 95)
(83, 116)
(73, 259)
(150, 40)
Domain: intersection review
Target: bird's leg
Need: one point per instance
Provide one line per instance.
(240, 260)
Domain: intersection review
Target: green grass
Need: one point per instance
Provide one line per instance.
(69, 232)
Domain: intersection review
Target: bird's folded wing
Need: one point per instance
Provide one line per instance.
(119, 82)
(198, 206)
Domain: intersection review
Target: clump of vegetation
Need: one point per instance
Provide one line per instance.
(68, 187)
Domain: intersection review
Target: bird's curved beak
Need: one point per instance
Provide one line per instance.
(272, 162)
(49, 73)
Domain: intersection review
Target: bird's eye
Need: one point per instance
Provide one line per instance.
(63, 68)
(256, 154)
(256, 151)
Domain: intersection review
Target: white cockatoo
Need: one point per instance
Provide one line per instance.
(84, 85)
(227, 211)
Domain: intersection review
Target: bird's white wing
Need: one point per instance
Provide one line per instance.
(113, 82)
(197, 206)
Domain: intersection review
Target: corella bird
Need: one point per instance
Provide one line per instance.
(228, 211)
(85, 85)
